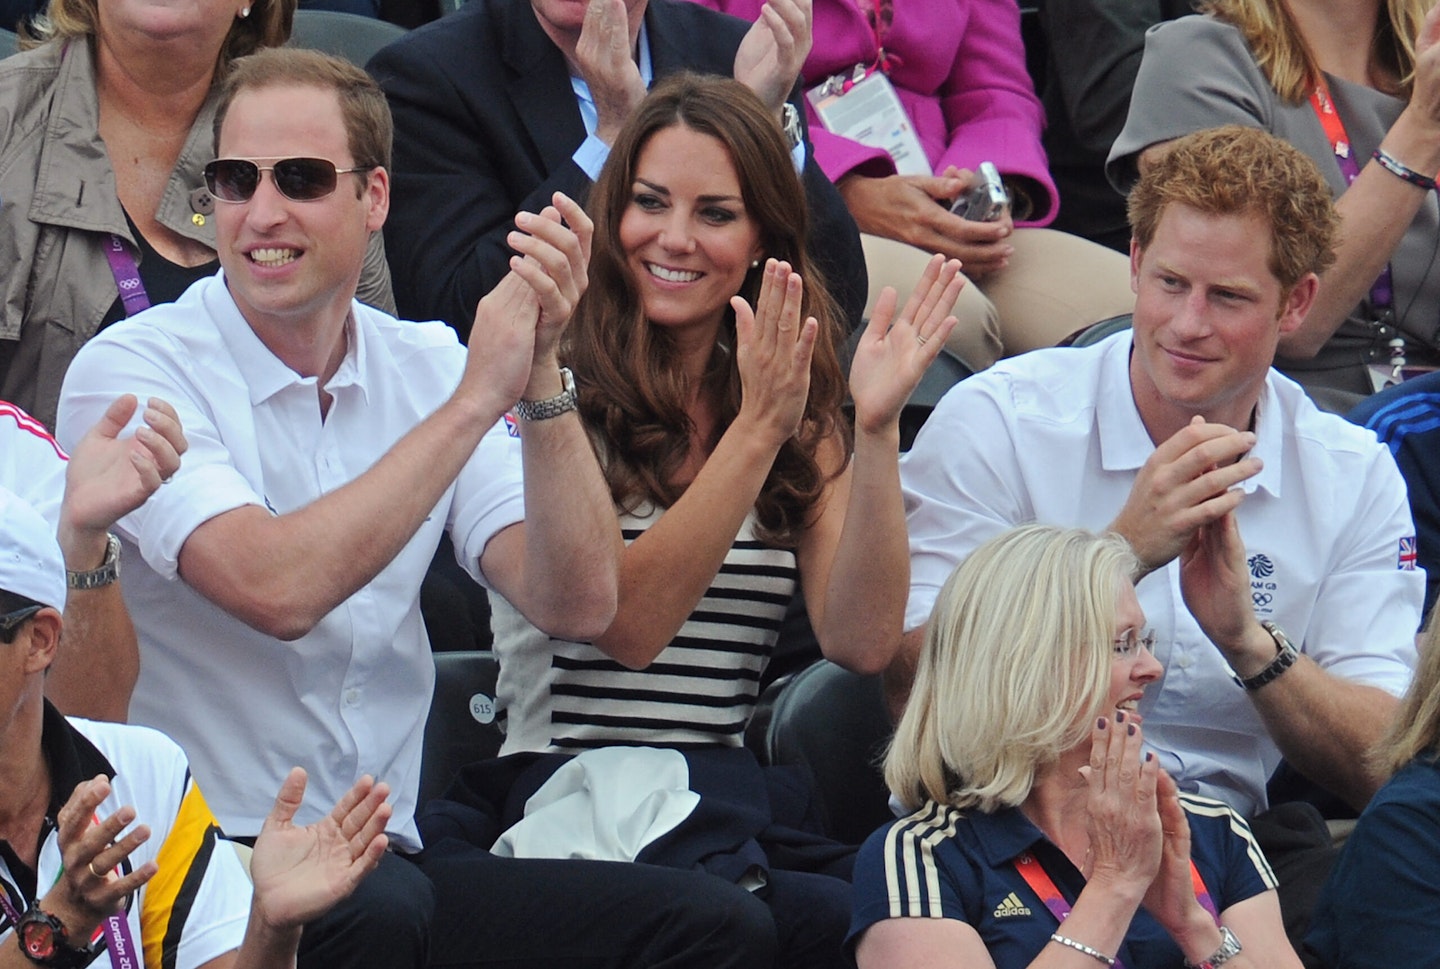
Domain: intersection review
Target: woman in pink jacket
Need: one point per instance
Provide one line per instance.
(957, 68)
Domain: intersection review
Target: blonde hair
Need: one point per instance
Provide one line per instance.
(1289, 64)
(1416, 729)
(1015, 667)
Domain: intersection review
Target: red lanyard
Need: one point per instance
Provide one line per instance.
(1040, 882)
(1382, 294)
(881, 17)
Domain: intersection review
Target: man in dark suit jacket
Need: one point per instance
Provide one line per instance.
(486, 124)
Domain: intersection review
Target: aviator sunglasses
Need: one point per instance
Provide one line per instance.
(298, 179)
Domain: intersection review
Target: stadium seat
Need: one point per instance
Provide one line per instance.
(462, 726)
(1095, 332)
(346, 35)
(834, 722)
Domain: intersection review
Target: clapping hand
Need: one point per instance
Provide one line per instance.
(1124, 826)
(109, 476)
(301, 872)
(774, 50)
(894, 351)
(605, 58)
(554, 259)
(773, 350)
(91, 886)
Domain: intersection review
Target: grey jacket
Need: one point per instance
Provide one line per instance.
(58, 209)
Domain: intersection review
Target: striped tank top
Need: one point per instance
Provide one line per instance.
(699, 691)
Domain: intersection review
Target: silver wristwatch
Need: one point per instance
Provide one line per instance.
(562, 403)
(790, 124)
(1285, 656)
(1229, 949)
(108, 571)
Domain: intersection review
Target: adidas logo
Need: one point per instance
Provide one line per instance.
(1011, 906)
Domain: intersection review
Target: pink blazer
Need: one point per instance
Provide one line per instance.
(959, 69)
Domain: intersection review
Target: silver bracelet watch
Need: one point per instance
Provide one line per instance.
(562, 403)
(107, 572)
(1229, 948)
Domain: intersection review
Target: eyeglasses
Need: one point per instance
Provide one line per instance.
(11, 621)
(1131, 643)
(298, 179)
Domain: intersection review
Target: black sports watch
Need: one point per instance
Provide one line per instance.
(45, 942)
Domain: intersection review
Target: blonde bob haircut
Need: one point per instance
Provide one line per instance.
(1014, 670)
(1289, 64)
(1416, 731)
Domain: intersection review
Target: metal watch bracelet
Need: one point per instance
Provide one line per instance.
(562, 403)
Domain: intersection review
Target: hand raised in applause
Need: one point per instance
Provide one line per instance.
(110, 475)
(605, 57)
(895, 350)
(302, 872)
(773, 350)
(774, 50)
(1187, 482)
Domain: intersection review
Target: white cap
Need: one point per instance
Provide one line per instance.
(30, 561)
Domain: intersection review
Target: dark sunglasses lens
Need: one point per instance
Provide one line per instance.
(305, 179)
(232, 179)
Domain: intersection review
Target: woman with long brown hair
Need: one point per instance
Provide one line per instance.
(705, 356)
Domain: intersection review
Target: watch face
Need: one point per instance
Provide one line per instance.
(39, 939)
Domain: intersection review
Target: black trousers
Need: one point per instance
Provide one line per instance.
(384, 923)
(542, 914)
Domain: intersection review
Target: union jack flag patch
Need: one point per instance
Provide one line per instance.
(1406, 562)
(512, 427)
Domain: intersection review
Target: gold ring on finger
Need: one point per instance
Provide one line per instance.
(919, 339)
(91, 866)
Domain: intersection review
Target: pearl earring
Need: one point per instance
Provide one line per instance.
(244, 12)
(755, 264)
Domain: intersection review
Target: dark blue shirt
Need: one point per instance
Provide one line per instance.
(1381, 906)
(1406, 417)
(940, 862)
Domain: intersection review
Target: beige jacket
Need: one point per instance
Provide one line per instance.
(58, 208)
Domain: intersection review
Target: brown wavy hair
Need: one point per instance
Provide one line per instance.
(1289, 64)
(268, 25)
(633, 390)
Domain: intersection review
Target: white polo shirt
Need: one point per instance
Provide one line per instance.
(31, 464)
(351, 697)
(1054, 436)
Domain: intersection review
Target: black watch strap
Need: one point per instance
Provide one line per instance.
(44, 941)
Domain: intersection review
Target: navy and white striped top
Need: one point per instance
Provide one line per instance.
(699, 691)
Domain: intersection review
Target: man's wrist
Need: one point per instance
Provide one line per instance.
(103, 574)
(1285, 656)
(83, 548)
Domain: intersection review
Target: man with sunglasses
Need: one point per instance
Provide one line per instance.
(82, 495)
(1277, 547)
(79, 875)
(330, 447)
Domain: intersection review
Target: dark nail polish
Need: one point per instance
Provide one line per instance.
(1130, 730)
(1101, 724)
(1120, 716)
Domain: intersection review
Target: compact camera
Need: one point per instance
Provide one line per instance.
(986, 199)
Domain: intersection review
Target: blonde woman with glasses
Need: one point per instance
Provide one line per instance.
(1041, 832)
